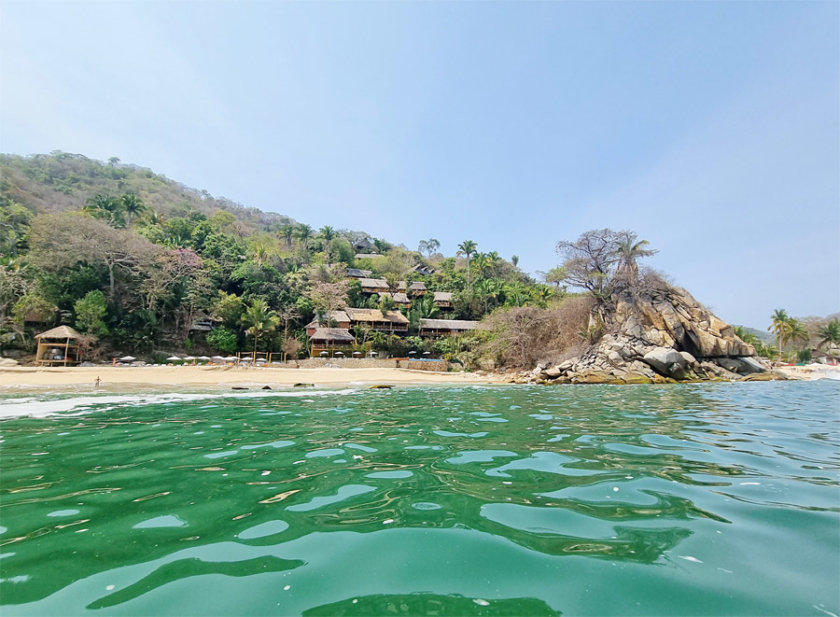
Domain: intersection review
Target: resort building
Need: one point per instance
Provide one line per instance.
(333, 319)
(400, 299)
(330, 341)
(391, 321)
(445, 327)
(372, 286)
(443, 299)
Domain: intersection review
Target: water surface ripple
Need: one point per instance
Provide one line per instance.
(717, 499)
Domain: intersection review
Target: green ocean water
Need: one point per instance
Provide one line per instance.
(717, 499)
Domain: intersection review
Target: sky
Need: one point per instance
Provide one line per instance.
(711, 129)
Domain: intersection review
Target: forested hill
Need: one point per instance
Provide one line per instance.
(139, 262)
(61, 181)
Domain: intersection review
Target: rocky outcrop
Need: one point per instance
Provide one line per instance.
(656, 337)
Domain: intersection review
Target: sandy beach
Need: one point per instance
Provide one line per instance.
(112, 377)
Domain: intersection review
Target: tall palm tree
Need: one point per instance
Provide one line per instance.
(629, 251)
(303, 233)
(515, 260)
(830, 333)
(467, 247)
(780, 326)
(260, 319)
(132, 206)
(287, 232)
(328, 234)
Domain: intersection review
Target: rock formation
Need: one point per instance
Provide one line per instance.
(658, 335)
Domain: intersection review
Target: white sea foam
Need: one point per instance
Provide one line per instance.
(79, 405)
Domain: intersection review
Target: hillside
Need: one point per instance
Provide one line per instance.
(138, 263)
(61, 181)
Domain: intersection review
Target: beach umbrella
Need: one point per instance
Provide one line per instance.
(339, 353)
(230, 359)
(427, 353)
(217, 359)
(412, 353)
(189, 358)
(372, 353)
(357, 353)
(127, 359)
(324, 353)
(203, 358)
(173, 359)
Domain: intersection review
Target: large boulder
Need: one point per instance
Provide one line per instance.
(667, 361)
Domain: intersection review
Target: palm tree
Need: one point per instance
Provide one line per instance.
(108, 208)
(260, 319)
(481, 262)
(515, 260)
(467, 247)
(830, 333)
(287, 232)
(798, 331)
(133, 206)
(328, 234)
(629, 251)
(780, 326)
(303, 233)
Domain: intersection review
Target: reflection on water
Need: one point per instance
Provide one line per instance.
(476, 500)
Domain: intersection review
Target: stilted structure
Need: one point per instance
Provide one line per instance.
(58, 346)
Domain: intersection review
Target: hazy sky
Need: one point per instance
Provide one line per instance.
(710, 128)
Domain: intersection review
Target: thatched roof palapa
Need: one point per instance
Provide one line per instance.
(332, 335)
(61, 332)
(375, 315)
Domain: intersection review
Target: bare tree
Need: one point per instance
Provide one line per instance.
(62, 240)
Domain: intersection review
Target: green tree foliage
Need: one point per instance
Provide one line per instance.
(90, 313)
(223, 339)
(830, 333)
(259, 319)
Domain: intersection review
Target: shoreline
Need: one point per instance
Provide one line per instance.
(23, 379)
(16, 379)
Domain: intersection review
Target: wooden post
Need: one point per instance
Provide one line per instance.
(66, 350)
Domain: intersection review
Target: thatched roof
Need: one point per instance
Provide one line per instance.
(336, 316)
(399, 297)
(443, 296)
(61, 332)
(375, 315)
(332, 335)
(447, 324)
(374, 283)
(357, 273)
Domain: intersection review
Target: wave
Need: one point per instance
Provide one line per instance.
(34, 407)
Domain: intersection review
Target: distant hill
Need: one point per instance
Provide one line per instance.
(762, 335)
(61, 181)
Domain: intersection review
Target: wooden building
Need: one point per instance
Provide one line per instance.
(391, 321)
(58, 346)
(445, 327)
(334, 319)
(417, 288)
(373, 286)
(443, 299)
(330, 340)
(400, 299)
